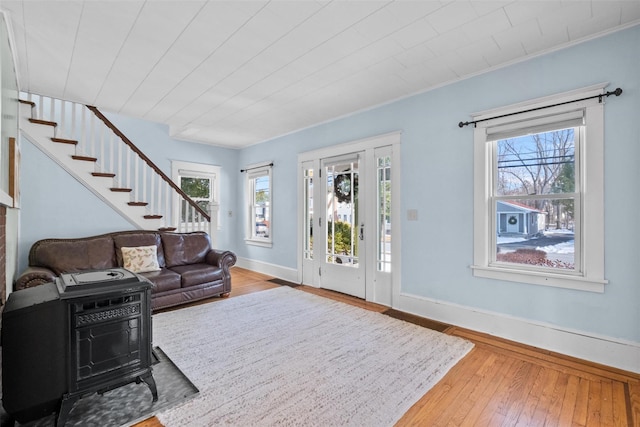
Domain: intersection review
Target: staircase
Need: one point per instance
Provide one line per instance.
(90, 148)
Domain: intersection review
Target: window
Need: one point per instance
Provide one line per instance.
(383, 237)
(200, 182)
(200, 190)
(308, 209)
(259, 185)
(532, 210)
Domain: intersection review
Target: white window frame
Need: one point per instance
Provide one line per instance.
(252, 173)
(591, 170)
(181, 169)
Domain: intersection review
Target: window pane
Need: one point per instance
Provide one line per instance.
(342, 214)
(536, 232)
(199, 190)
(261, 213)
(537, 164)
(384, 214)
(261, 190)
(196, 187)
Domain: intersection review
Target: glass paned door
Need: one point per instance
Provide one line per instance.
(343, 234)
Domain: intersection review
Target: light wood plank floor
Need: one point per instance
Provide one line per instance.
(500, 382)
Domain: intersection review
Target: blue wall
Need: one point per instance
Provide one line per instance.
(437, 180)
(153, 139)
(54, 204)
(438, 248)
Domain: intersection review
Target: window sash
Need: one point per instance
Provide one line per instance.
(536, 125)
(576, 196)
(253, 174)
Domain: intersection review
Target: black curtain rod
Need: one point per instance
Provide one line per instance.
(257, 167)
(616, 92)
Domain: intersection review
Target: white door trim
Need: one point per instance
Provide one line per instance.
(393, 140)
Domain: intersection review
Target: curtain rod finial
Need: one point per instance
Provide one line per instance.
(618, 92)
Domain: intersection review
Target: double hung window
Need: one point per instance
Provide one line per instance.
(532, 211)
(201, 183)
(259, 183)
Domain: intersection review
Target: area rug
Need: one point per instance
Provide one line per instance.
(124, 406)
(287, 357)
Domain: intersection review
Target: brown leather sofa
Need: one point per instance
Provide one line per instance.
(189, 269)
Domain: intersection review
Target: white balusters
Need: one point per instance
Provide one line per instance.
(95, 139)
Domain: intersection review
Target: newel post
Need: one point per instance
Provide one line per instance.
(214, 208)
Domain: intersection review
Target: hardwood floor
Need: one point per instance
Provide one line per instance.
(500, 382)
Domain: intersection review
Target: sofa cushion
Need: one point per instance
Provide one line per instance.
(134, 239)
(197, 274)
(140, 259)
(163, 280)
(66, 256)
(183, 249)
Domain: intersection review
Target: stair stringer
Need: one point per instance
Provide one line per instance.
(40, 136)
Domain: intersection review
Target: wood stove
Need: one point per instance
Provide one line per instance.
(89, 332)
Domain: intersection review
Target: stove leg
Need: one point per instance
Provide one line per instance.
(151, 383)
(65, 408)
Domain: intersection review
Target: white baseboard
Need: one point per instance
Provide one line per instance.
(284, 273)
(604, 350)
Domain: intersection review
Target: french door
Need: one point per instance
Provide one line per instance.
(345, 228)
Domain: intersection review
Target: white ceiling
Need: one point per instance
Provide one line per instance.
(235, 73)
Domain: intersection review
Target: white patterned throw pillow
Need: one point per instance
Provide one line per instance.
(140, 259)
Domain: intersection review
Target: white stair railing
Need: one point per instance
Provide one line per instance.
(115, 154)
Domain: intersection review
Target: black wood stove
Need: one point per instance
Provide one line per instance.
(88, 332)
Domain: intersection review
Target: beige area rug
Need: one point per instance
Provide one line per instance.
(289, 358)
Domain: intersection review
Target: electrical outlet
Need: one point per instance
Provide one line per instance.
(230, 214)
(412, 215)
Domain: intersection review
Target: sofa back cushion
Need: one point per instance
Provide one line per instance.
(137, 239)
(69, 255)
(185, 248)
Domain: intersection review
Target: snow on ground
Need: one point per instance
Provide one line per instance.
(502, 240)
(567, 247)
(558, 231)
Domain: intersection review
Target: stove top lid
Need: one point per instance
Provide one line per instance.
(101, 276)
(96, 279)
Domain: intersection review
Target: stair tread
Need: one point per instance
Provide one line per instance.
(65, 141)
(167, 229)
(137, 203)
(85, 158)
(121, 190)
(152, 216)
(43, 122)
(104, 174)
(24, 101)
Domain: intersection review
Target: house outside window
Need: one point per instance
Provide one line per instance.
(533, 205)
(259, 190)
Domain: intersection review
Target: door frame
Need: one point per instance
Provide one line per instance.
(376, 290)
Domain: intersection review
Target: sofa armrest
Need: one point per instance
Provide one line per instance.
(34, 276)
(223, 259)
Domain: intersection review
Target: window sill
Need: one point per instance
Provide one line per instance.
(539, 278)
(262, 243)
